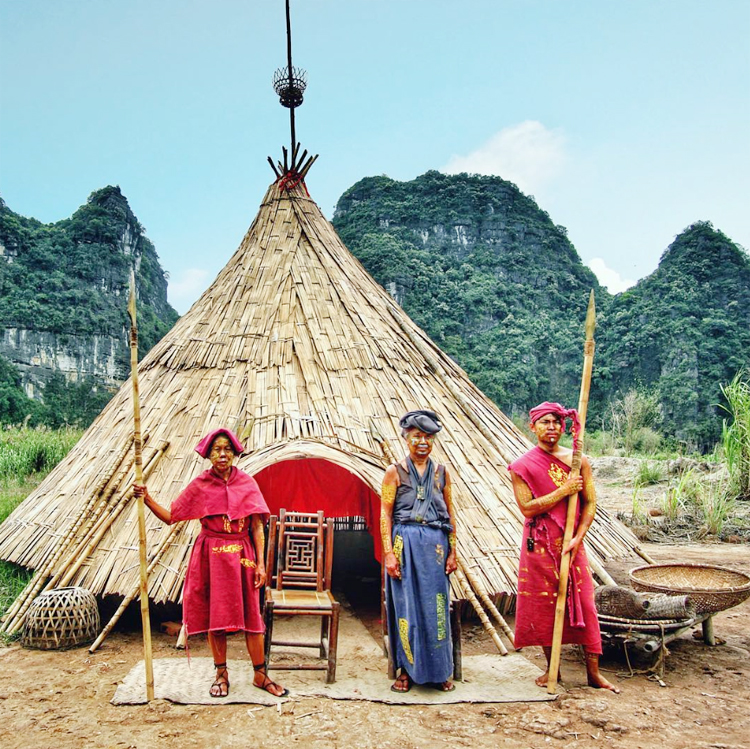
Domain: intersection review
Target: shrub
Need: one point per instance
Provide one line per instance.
(646, 440)
(648, 472)
(631, 415)
(717, 504)
(599, 443)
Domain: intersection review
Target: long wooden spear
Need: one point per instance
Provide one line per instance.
(575, 471)
(138, 446)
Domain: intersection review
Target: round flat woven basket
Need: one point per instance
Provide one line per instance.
(61, 618)
(711, 588)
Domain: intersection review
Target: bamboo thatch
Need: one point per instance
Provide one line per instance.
(296, 348)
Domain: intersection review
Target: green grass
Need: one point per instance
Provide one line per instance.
(649, 472)
(735, 438)
(25, 451)
(12, 493)
(684, 496)
(717, 507)
(13, 580)
(639, 512)
(26, 457)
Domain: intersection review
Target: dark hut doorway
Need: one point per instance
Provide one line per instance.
(312, 484)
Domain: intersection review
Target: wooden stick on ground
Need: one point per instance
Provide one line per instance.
(145, 618)
(486, 623)
(575, 471)
(642, 554)
(600, 572)
(163, 546)
(486, 600)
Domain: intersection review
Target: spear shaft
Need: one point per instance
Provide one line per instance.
(575, 471)
(138, 447)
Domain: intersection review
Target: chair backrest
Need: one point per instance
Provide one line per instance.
(300, 551)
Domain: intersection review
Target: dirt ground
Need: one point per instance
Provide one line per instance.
(62, 699)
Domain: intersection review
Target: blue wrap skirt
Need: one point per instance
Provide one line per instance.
(419, 604)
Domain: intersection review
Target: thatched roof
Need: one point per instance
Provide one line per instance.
(302, 353)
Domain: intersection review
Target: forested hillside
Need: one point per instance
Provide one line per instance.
(484, 271)
(682, 332)
(63, 298)
(499, 287)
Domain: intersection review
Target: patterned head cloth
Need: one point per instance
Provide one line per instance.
(426, 421)
(204, 446)
(556, 409)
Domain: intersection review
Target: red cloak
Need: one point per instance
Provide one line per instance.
(538, 574)
(219, 591)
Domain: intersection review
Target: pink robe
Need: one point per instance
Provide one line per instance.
(538, 574)
(219, 591)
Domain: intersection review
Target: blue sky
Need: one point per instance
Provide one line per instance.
(627, 120)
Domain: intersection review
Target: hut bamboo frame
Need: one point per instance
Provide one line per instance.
(295, 347)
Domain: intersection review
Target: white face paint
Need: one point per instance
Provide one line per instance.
(420, 443)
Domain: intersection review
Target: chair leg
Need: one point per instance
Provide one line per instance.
(333, 641)
(268, 616)
(456, 638)
(325, 637)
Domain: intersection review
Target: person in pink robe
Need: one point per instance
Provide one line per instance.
(541, 484)
(226, 569)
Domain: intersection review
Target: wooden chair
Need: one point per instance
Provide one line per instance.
(298, 567)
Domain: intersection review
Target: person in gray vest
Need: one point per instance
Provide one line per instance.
(419, 550)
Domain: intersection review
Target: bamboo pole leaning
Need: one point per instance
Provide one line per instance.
(642, 554)
(128, 599)
(477, 586)
(15, 616)
(78, 558)
(463, 583)
(600, 572)
(575, 471)
(96, 519)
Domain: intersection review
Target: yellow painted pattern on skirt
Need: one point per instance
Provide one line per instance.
(227, 549)
(442, 628)
(398, 548)
(403, 630)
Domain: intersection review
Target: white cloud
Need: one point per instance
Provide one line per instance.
(608, 277)
(528, 154)
(189, 284)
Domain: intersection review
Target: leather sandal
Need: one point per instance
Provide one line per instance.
(268, 682)
(446, 686)
(220, 687)
(402, 680)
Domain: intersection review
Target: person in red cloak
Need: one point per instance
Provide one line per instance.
(225, 571)
(541, 484)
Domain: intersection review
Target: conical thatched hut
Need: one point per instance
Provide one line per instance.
(296, 348)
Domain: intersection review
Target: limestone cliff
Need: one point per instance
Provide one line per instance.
(63, 293)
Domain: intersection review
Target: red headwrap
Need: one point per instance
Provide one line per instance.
(556, 409)
(203, 447)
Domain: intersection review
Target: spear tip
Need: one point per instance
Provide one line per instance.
(131, 297)
(591, 316)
